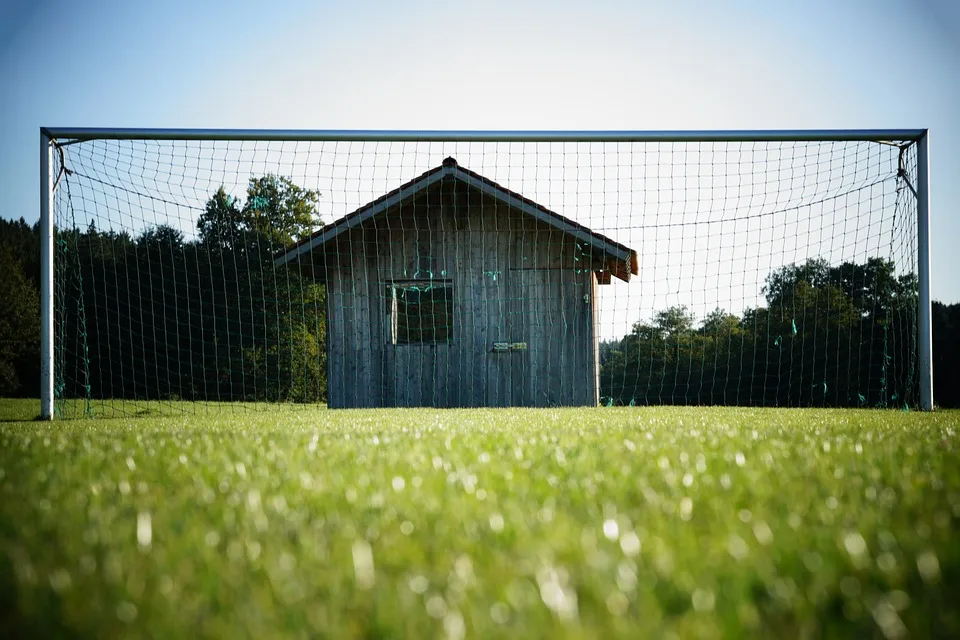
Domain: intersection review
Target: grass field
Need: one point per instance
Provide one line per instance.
(607, 522)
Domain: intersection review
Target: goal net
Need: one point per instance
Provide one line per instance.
(465, 270)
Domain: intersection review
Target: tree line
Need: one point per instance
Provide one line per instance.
(842, 336)
(157, 316)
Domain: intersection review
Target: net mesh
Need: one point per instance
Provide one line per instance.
(211, 275)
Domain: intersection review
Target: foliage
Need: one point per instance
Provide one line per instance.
(23, 243)
(161, 317)
(221, 225)
(276, 213)
(553, 523)
(19, 323)
(160, 240)
(946, 354)
(674, 322)
(19, 309)
(829, 336)
(279, 210)
(720, 323)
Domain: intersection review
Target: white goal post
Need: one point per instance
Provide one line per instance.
(609, 255)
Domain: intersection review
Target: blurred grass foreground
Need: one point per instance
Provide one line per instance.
(420, 523)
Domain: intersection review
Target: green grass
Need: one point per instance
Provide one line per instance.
(608, 522)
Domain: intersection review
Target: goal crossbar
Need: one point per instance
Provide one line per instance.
(78, 134)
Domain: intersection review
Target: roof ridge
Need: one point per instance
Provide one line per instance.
(450, 168)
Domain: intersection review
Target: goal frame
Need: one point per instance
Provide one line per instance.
(50, 137)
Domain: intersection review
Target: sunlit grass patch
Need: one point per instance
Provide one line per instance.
(624, 522)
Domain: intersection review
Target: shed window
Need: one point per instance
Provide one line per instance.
(420, 312)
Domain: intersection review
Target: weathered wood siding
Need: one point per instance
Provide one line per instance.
(514, 279)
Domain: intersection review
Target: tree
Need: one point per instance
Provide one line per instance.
(829, 336)
(268, 340)
(719, 323)
(874, 288)
(19, 322)
(23, 243)
(276, 212)
(946, 354)
(161, 238)
(674, 321)
(221, 224)
(279, 210)
(783, 282)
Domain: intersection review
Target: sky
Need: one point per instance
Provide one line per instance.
(369, 64)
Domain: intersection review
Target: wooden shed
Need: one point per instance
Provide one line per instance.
(452, 291)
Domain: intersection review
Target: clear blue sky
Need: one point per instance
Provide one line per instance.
(482, 65)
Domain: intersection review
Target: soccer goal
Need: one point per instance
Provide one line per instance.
(189, 270)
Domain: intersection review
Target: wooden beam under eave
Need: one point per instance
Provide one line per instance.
(619, 268)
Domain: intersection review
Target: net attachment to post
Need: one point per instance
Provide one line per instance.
(231, 270)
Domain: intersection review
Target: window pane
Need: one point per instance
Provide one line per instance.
(424, 313)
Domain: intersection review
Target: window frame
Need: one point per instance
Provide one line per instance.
(393, 302)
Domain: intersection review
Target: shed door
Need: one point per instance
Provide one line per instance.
(501, 333)
(550, 311)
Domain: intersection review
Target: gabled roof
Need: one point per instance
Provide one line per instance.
(624, 260)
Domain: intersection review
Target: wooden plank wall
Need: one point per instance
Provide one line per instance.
(515, 279)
